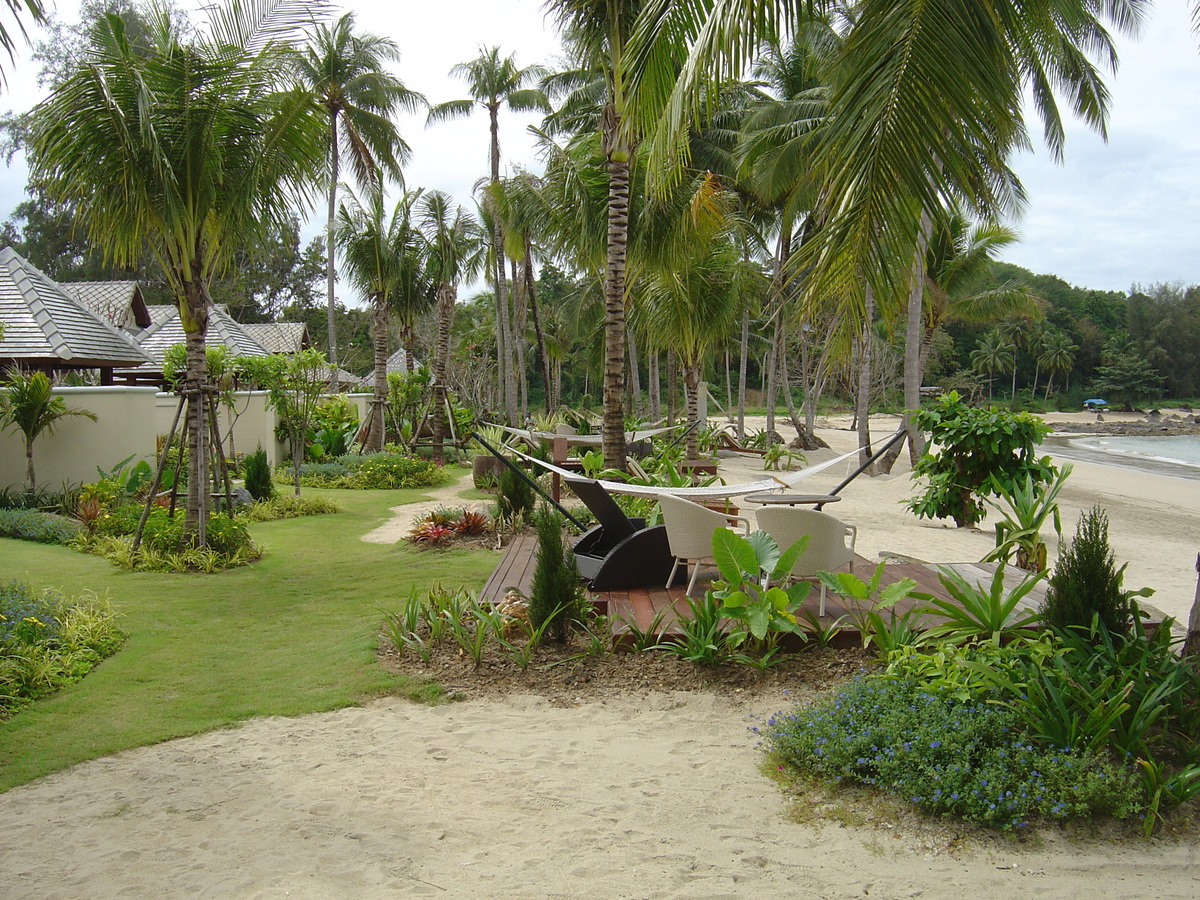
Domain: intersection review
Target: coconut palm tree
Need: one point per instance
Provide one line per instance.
(8, 43)
(598, 34)
(494, 82)
(1057, 357)
(28, 405)
(995, 353)
(191, 145)
(345, 73)
(455, 251)
(384, 259)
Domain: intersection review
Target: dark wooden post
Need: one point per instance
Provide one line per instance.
(1191, 645)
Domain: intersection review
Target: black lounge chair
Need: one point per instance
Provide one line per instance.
(619, 552)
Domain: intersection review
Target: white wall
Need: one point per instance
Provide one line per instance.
(128, 422)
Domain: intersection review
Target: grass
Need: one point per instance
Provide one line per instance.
(295, 633)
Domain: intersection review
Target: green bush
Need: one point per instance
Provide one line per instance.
(287, 506)
(376, 471)
(258, 475)
(516, 496)
(968, 758)
(47, 641)
(556, 595)
(1086, 581)
(62, 501)
(978, 453)
(40, 527)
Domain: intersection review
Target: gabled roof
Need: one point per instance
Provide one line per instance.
(397, 362)
(46, 325)
(166, 330)
(279, 337)
(120, 303)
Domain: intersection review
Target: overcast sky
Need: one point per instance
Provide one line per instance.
(1113, 214)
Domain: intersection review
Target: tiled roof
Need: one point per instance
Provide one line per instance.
(279, 337)
(166, 330)
(45, 324)
(120, 303)
(396, 362)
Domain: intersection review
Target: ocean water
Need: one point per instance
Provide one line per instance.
(1166, 454)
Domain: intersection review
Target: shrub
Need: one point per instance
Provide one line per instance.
(555, 596)
(258, 475)
(1086, 581)
(377, 471)
(949, 756)
(62, 501)
(287, 506)
(40, 527)
(47, 641)
(979, 451)
(516, 495)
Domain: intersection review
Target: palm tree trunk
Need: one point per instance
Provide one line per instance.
(862, 405)
(635, 378)
(653, 386)
(691, 383)
(29, 474)
(618, 155)
(531, 293)
(520, 375)
(330, 269)
(194, 317)
(914, 334)
(446, 298)
(379, 340)
(742, 361)
(672, 387)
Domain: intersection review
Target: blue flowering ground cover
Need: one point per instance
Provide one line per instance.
(969, 758)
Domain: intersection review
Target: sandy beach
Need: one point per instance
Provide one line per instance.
(649, 795)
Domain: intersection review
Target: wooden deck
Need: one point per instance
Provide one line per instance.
(641, 605)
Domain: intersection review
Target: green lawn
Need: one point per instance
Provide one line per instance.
(291, 634)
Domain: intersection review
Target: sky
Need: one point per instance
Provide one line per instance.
(1113, 214)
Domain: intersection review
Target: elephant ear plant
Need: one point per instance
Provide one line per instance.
(745, 594)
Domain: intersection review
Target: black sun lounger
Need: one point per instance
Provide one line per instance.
(620, 552)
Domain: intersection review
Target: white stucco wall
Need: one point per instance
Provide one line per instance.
(128, 422)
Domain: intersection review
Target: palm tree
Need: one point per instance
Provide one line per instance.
(994, 354)
(1057, 357)
(191, 145)
(598, 34)
(29, 406)
(691, 308)
(493, 82)
(8, 42)
(455, 252)
(383, 257)
(345, 73)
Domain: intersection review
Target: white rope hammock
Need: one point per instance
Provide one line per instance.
(583, 440)
(708, 492)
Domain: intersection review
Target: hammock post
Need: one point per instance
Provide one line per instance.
(874, 456)
(533, 484)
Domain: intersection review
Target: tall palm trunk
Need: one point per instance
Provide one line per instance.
(194, 317)
(862, 405)
(691, 384)
(672, 388)
(617, 153)
(531, 295)
(379, 341)
(742, 362)
(330, 268)
(653, 387)
(504, 334)
(446, 298)
(519, 308)
(635, 378)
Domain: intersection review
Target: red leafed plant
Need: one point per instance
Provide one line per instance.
(471, 522)
(430, 533)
